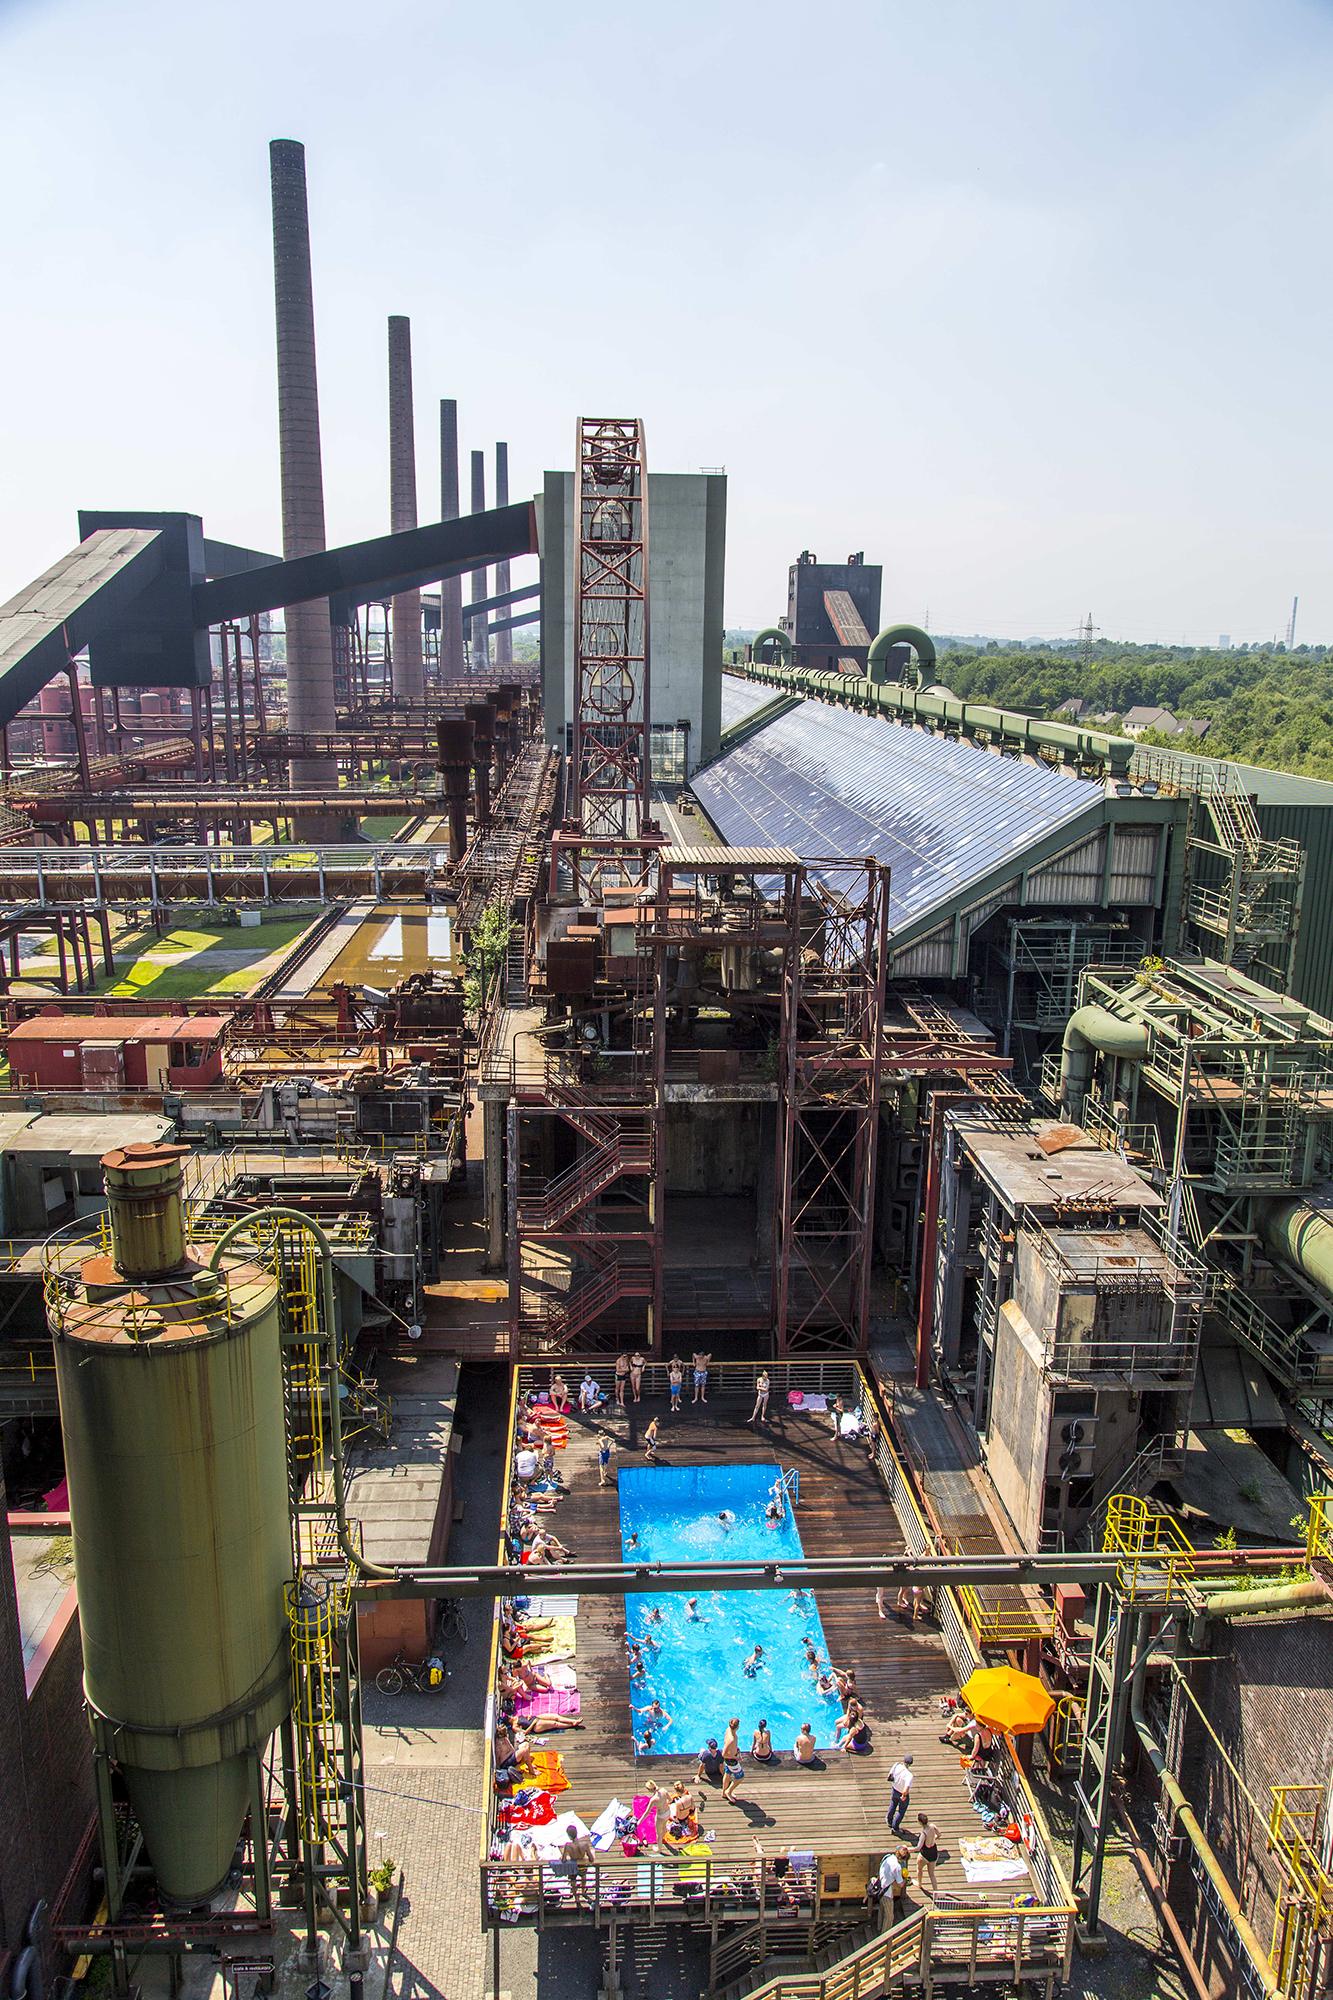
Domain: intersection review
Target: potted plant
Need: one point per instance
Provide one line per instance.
(380, 1882)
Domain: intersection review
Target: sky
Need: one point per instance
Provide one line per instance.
(1031, 301)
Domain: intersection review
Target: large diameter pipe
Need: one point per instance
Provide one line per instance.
(877, 659)
(1307, 1597)
(310, 685)
(504, 641)
(451, 589)
(1301, 1237)
(409, 682)
(1089, 1030)
(481, 645)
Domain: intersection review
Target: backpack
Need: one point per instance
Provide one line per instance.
(435, 1671)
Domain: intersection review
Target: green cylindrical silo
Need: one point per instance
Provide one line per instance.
(171, 1408)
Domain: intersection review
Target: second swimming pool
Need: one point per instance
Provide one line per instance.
(694, 1665)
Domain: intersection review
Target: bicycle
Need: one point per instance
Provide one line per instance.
(415, 1674)
(453, 1625)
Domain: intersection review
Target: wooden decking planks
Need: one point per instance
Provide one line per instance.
(902, 1671)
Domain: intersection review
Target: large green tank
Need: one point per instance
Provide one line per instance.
(171, 1407)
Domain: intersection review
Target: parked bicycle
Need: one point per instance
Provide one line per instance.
(420, 1676)
(453, 1625)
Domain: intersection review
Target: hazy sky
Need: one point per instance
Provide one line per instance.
(1032, 302)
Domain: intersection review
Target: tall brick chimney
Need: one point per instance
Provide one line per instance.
(409, 679)
(504, 641)
(310, 690)
(481, 645)
(451, 589)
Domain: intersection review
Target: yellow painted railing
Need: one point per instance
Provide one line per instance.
(1156, 1558)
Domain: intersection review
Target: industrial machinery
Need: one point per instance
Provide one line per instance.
(199, 1402)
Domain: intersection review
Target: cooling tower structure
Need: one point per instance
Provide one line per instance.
(171, 1405)
(408, 671)
(310, 682)
(451, 589)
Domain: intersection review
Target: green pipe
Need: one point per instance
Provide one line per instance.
(779, 639)
(1301, 1237)
(1093, 1028)
(1280, 1597)
(1194, 1833)
(900, 635)
(236, 1228)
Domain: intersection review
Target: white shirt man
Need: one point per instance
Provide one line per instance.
(900, 1784)
(525, 1464)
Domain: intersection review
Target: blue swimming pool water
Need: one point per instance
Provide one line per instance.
(695, 1668)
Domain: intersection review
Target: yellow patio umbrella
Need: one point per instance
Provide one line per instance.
(1010, 1701)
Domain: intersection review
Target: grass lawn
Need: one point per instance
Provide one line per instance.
(382, 826)
(176, 966)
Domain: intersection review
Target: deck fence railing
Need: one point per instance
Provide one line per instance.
(978, 1944)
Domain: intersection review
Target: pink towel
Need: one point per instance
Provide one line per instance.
(795, 1398)
(645, 1819)
(564, 1701)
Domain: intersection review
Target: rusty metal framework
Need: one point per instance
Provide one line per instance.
(611, 776)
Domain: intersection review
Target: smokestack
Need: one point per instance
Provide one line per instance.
(451, 589)
(310, 694)
(409, 680)
(504, 641)
(481, 645)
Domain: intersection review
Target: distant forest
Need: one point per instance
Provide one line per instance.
(1267, 706)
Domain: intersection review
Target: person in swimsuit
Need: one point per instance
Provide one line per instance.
(927, 1851)
(753, 1664)
(622, 1377)
(636, 1375)
(804, 1748)
(759, 1414)
(761, 1744)
(701, 1362)
(650, 1440)
(675, 1381)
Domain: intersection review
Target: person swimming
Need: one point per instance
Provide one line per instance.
(727, 1517)
(753, 1664)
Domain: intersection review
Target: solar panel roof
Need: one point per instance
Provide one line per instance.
(942, 813)
(741, 698)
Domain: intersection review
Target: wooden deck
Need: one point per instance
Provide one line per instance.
(902, 1671)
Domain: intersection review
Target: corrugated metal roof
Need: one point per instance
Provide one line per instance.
(721, 857)
(942, 813)
(741, 698)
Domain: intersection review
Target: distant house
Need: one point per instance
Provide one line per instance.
(1135, 720)
(1073, 708)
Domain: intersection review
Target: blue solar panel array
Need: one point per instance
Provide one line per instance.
(742, 698)
(942, 813)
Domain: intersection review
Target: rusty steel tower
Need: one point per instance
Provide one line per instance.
(611, 775)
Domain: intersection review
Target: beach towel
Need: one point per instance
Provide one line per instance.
(550, 1839)
(795, 1398)
(548, 1769)
(564, 1702)
(991, 1860)
(560, 1676)
(535, 1811)
(815, 1403)
(604, 1826)
(645, 1875)
(552, 1607)
(558, 1636)
(645, 1819)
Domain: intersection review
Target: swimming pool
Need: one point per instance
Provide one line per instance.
(695, 1668)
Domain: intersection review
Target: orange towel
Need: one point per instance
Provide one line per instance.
(548, 1769)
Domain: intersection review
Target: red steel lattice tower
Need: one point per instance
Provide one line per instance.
(611, 777)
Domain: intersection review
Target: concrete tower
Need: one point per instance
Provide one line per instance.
(481, 645)
(409, 680)
(504, 641)
(451, 589)
(310, 692)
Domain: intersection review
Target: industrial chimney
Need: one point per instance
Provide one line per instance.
(451, 588)
(310, 691)
(504, 641)
(409, 681)
(481, 646)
